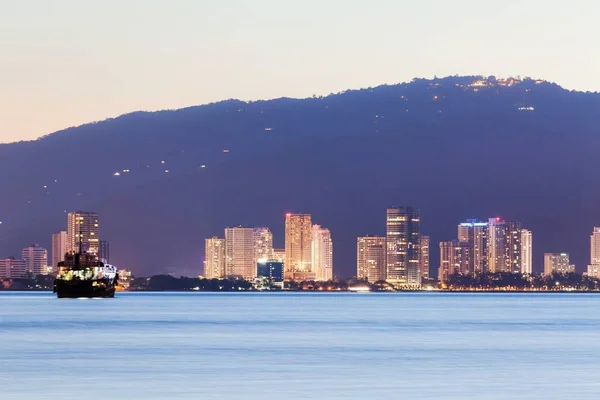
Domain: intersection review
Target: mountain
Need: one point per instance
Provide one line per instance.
(456, 147)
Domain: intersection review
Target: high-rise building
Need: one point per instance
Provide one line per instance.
(10, 268)
(214, 254)
(59, 248)
(526, 252)
(424, 256)
(298, 247)
(475, 233)
(279, 255)
(322, 254)
(239, 252)
(557, 263)
(36, 259)
(594, 267)
(402, 239)
(84, 228)
(370, 258)
(104, 250)
(455, 258)
(263, 244)
(504, 246)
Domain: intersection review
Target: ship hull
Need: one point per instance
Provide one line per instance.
(85, 289)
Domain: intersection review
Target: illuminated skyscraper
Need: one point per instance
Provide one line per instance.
(475, 233)
(594, 267)
(239, 252)
(455, 258)
(84, 227)
(322, 254)
(526, 252)
(370, 258)
(504, 246)
(402, 239)
(59, 248)
(557, 263)
(214, 254)
(298, 247)
(424, 256)
(279, 255)
(263, 244)
(36, 259)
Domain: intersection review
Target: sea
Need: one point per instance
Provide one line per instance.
(300, 346)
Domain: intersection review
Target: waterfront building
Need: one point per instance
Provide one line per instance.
(263, 244)
(593, 269)
(279, 255)
(504, 246)
(84, 228)
(239, 253)
(60, 247)
(475, 233)
(526, 252)
(424, 256)
(322, 254)
(402, 240)
(36, 259)
(11, 268)
(214, 254)
(455, 258)
(557, 263)
(272, 270)
(298, 247)
(370, 258)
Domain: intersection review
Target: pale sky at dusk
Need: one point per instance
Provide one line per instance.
(67, 62)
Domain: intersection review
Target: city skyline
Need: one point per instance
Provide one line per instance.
(480, 245)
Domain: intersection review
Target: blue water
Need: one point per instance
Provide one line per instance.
(301, 346)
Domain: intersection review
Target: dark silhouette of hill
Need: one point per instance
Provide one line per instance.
(524, 150)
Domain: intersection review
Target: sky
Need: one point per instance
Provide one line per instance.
(67, 62)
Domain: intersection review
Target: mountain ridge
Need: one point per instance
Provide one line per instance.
(521, 149)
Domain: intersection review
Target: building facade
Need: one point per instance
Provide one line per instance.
(11, 268)
(279, 255)
(370, 258)
(557, 263)
(83, 228)
(526, 252)
(424, 256)
(322, 254)
(263, 244)
(504, 246)
(36, 259)
(402, 240)
(593, 269)
(298, 247)
(214, 254)
(239, 253)
(475, 233)
(59, 248)
(271, 269)
(455, 258)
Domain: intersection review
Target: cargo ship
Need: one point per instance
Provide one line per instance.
(85, 275)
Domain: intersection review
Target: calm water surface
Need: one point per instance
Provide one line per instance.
(302, 346)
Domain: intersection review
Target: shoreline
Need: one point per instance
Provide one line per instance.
(335, 291)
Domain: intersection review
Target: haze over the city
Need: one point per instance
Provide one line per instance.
(68, 62)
